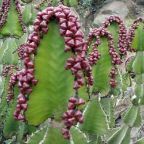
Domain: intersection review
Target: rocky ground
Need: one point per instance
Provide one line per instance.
(93, 12)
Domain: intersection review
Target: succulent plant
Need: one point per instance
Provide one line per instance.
(67, 85)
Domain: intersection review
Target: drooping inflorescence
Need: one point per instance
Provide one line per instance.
(94, 55)
(131, 32)
(5, 9)
(9, 70)
(74, 42)
(72, 116)
(122, 40)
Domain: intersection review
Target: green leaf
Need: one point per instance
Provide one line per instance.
(132, 117)
(10, 124)
(138, 40)
(28, 14)
(122, 136)
(73, 3)
(138, 64)
(108, 107)
(22, 39)
(139, 92)
(3, 103)
(54, 136)
(8, 54)
(55, 84)
(102, 69)
(12, 27)
(95, 121)
(1, 86)
(38, 136)
(113, 28)
(140, 141)
(77, 136)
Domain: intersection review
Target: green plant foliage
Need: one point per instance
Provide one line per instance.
(138, 41)
(12, 27)
(140, 141)
(3, 103)
(95, 121)
(10, 124)
(113, 29)
(29, 14)
(71, 3)
(77, 136)
(138, 63)
(102, 69)
(54, 136)
(38, 136)
(122, 136)
(8, 54)
(132, 117)
(49, 97)
(108, 107)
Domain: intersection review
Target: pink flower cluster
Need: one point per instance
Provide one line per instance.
(72, 116)
(122, 41)
(4, 12)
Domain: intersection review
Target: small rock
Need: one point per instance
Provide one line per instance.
(114, 8)
(139, 2)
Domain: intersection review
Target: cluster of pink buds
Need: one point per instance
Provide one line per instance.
(8, 70)
(4, 12)
(113, 76)
(72, 116)
(17, 3)
(122, 42)
(25, 80)
(5, 8)
(131, 32)
(20, 108)
(102, 32)
(76, 64)
(94, 55)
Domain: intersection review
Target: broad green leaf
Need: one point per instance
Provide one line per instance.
(138, 40)
(10, 124)
(102, 69)
(50, 96)
(138, 64)
(22, 39)
(66, 2)
(122, 136)
(8, 53)
(77, 136)
(129, 63)
(108, 107)
(140, 141)
(1, 86)
(28, 14)
(12, 27)
(110, 132)
(3, 103)
(139, 92)
(54, 136)
(38, 136)
(95, 121)
(113, 28)
(132, 117)
(139, 78)
(73, 3)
